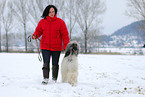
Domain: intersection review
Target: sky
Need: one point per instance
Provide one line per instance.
(115, 17)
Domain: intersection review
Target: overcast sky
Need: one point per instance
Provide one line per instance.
(115, 17)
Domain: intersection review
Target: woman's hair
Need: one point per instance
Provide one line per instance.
(46, 11)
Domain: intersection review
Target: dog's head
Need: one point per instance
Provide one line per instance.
(72, 49)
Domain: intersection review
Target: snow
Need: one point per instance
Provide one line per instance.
(99, 76)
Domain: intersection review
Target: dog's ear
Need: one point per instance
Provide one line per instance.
(67, 53)
(68, 46)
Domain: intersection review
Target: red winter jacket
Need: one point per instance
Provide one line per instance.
(54, 32)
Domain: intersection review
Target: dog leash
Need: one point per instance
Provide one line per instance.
(39, 55)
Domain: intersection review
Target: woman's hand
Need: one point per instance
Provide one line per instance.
(34, 36)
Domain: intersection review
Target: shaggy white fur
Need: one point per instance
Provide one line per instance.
(69, 67)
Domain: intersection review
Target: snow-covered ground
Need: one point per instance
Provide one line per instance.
(99, 76)
(127, 51)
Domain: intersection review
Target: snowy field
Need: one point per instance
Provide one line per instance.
(99, 76)
(126, 51)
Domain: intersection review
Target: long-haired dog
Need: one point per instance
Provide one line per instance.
(69, 66)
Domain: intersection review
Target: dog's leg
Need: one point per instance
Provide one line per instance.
(76, 77)
(63, 79)
(64, 70)
(64, 76)
(72, 78)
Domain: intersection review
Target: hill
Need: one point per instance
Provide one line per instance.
(128, 36)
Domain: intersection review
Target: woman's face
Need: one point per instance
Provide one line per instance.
(51, 12)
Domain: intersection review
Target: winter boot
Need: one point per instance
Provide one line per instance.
(55, 69)
(45, 81)
(46, 69)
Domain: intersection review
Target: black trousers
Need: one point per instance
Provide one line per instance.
(48, 54)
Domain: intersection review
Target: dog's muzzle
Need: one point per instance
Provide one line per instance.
(74, 50)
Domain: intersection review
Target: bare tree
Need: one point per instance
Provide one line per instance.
(88, 12)
(7, 18)
(21, 11)
(1, 11)
(37, 7)
(136, 9)
(71, 12)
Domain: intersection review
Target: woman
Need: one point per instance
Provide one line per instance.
(53, 31)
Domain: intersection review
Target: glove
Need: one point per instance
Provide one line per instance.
(34, 36)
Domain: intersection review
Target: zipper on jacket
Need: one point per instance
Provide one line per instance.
(50, 34)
